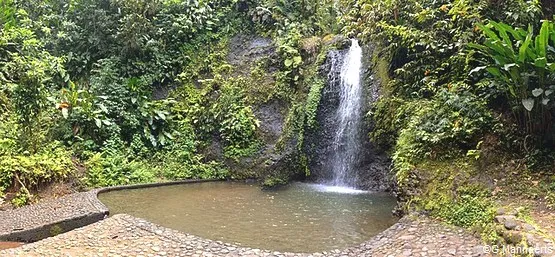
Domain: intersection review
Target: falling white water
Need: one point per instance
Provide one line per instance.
(347, 139)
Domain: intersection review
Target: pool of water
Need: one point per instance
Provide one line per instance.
(299, 218)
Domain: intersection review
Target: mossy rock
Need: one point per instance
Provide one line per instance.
(273, 183)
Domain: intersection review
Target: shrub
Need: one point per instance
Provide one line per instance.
(27, 73)
(111, 169)
(180, 160)
(439, 128)
(467, 211)
(27, 171)
(226, 115)
(469, 208)
(194, 168)
(390, 115)
(274, 181)
(237, 124)
(522, 66)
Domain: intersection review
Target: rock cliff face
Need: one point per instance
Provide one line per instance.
(548, 8)
(245, 51)
(372, 166)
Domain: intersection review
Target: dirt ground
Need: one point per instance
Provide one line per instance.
(8, 245)
(47, 191)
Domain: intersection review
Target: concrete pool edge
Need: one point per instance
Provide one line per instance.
(54, 216)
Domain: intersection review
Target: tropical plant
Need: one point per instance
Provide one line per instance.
(522, 64)
(110, 169)
(442, 128)
(27, 72)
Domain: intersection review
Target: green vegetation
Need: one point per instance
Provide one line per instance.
(466, 87)
(116, 92)
(77, 81)
(521, 66)
(448, 192)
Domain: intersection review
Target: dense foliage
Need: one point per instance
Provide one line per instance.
(110, 92)
(521, 64)
(438, 90)
(77, 81)
(461, 80)
(120, 91)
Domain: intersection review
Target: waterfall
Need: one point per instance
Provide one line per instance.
(347, 138)
(341, 158)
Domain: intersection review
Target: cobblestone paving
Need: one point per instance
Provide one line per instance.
(78, 207)
(124, 235)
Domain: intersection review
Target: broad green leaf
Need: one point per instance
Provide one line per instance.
(504, 36)
(518, 34)
(297, 60)
(161, 115)
(542, 40)
(540, 62)
(528, 104)
(65, 113)
(502, 51)
(484, 49)
(288, 62)
(489, 32)
(524, 47)
(98, 122)
(494, 71)
(162, 139)
(103, 108)
(537, 92)
(168, 135)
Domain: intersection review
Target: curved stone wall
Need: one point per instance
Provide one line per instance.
(55, 216)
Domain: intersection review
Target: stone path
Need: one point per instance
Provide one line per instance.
(53, 216)
(124, 235)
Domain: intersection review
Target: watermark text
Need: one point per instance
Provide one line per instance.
(509, 249)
